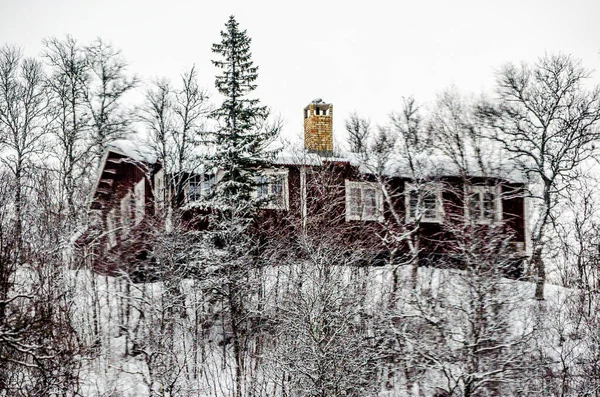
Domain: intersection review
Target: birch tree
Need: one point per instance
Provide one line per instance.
(23, 124)
(176, 117)
(104, 96)
(322, 343)
(546, 117)
(463, 332)
(68, 82)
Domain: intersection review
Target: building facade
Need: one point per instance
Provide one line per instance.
(303, 193)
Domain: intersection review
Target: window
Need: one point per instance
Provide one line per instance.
(363, 201)
(126, 214)
(195, 189)
(272, 187)
(483, 204)
(200, 186)
(159, 189)
(140, 201)
(110, 228)
(208, 184)
(423, 203)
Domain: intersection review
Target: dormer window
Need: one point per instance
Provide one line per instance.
(423, 203)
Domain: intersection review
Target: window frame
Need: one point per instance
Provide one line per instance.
(194, 181)
(362, 186)
(125, 209)
(159, 191)
(496, 191)
(111, 228)
(436, 188)
(139, 193)
(273, 173)
(205, 185)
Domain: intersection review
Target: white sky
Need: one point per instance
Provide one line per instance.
(361, 56)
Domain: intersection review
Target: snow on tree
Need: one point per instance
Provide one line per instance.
(176, 119)
(241, 139)
(37, 344)
(548, 122)
(240, 149)
(68, 81)
(104, 95)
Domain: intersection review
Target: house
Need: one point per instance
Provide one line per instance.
(310, 191)
(120, 210)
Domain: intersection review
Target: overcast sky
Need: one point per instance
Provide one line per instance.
(361, 56)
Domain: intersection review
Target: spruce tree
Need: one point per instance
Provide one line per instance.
(240, 151)
(243, 134)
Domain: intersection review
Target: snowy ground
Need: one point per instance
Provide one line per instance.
(115, 368)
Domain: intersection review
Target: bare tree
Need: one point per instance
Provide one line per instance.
(359, 132)
(68, 82)
(176, 119)
(459, 136)
(23, 122)
(547, 120)
(104, 96)
(402, 148)
(322, 346)
(458, 331)
(157, 115)
(38, 345)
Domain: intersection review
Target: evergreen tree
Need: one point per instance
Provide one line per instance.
(243, 134)
(240, 150)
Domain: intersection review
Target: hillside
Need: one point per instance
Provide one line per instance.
(452, 333)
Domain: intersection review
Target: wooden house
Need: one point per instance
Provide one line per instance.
(310, 193)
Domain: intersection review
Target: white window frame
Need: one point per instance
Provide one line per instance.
(209, 181)
(273, 204)
(436, 188)
(496, 191)
(205, 183)
(111, 225)
(125, 208)
(362, 186)
(159, 189)
(194, 181)
(139, 192)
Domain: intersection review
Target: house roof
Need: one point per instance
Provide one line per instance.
(439, 165)
(118, 152)
(134, 150)
(424, 165)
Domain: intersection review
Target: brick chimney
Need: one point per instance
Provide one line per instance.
(318, 127)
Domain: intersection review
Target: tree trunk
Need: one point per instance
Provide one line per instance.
(540, 279)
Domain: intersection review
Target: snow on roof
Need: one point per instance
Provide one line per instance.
(492, 164)
(425, 165)
(286, 157)
(135, 150)
(435, 165)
